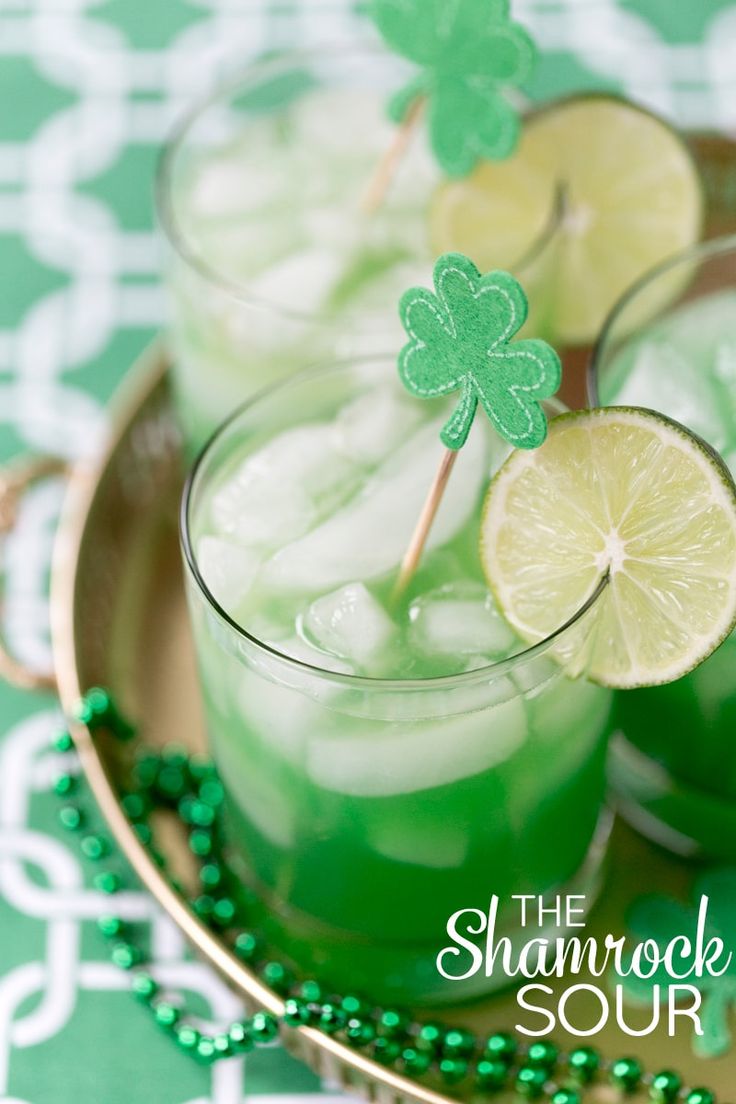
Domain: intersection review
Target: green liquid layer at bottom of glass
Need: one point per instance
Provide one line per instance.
(360, 895)
(673, 760)
(385, 970)
(685, 820)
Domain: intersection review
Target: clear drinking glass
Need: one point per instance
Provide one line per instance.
(364, 811)
(670, 345)
(270, 263)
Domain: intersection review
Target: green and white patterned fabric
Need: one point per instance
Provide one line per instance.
(88, 90)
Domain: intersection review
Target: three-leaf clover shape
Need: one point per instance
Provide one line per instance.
(460, 339)
(662, 919)
(469, 50)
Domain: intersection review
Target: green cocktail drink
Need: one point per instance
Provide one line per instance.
(674, 757)
(385, 763)
(270, 263)
(273, 262)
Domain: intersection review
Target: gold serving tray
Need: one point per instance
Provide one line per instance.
(119, 620)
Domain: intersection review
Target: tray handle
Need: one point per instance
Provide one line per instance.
(15, 480)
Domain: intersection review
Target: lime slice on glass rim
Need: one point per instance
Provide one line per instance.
(598, 192)
(628, 492)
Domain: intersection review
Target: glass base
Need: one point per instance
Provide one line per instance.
(684, 820)
(404, 973)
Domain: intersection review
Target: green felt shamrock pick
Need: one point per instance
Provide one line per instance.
(460, 340)
(469, 51)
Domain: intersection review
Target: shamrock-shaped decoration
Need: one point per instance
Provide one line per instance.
(662, 919)
(460, 341)
(469, 50)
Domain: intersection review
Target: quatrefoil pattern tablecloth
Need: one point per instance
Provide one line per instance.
(88, 90)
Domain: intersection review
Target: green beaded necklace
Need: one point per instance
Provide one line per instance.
(188, 786)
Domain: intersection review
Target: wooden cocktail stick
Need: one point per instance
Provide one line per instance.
(386, 168)
(424, 524)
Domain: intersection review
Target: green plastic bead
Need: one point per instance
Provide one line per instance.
(205, 1051)
(71, 817)
(332, 1018)
(459, 1043)
(204, 906)
(240, 1037)
(223, 912)
(393, 1024)
(201, 766)
(95, 847)
(63, 742)
(246, 946)
(221, 1043)
(584, 1063)
(211, 875)
(195, 812)
(453, 1070)
(170, 782)
(144, 833)
(145, 770)
(360, 1032)
(700, 1096)
(626, 1074)
(431, 1037)
(665, 1087)
(311, 991)
(134, 805)
(65, 784)
(211, 792)
(93, 707)
(184, 808)
(264, 1027)
(277, 977)
(502, 1046)
(415, 1062)
(111, 926)
(201, 843)
(125, 955)
(144, 987)
(296, 1012)
(544, 1055)
(530, 1081)
(97, 710)
(187, 1037)
(491, 1073)
(165, 1014)
(386, 1051)
(354, 1006)
(107, 881)
(175, 755)
(566, 1096)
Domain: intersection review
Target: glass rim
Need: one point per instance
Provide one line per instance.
(238, 290)
(361, 682)
(701, 251)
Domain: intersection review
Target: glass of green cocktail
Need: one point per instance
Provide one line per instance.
(387, 762)
(273, 261)
(673, 759)
(270, 262)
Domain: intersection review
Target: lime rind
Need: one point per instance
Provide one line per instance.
(629, 491)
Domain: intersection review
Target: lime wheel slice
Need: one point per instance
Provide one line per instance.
(628, 493)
